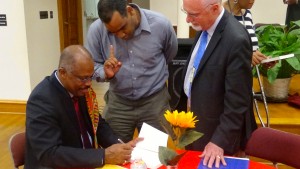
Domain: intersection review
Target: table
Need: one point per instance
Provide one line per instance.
(191, 160)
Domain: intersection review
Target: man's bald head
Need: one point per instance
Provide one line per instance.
(71, 55)
(75, 69)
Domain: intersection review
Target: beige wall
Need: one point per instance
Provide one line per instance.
(264, 11)
(269, 11)
(29, 48)
(14, 69)
(42, 39)
(166, 7)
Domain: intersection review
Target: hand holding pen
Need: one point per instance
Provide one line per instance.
(132, 142)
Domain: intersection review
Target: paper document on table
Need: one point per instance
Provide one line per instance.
(277, 58)
(148, 148)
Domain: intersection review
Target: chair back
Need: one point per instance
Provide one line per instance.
(275, 145)
(17, 149)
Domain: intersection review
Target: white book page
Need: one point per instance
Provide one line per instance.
(148, 148)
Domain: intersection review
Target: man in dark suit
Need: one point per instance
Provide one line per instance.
(58, 137)
(219, 88)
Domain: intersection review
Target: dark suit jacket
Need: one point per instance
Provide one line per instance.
(221, 90)
(292, 13)
(52, 132)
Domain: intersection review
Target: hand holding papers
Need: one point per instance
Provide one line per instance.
(277, 58)
(148, 148)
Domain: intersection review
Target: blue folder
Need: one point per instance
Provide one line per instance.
(232, 163)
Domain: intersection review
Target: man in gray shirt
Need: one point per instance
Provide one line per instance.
(131, 48)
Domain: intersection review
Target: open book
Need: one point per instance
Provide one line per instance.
(148, 148)
(278, 58)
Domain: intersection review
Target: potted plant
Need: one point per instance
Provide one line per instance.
(277, 40)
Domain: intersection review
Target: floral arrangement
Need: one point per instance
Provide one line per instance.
(181, 124)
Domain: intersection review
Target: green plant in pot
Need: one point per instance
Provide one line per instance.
(277, 40)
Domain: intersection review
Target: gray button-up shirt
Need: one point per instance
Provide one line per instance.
(144, 58)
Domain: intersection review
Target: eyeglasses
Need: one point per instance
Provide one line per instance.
(83, 79)
(194, 15)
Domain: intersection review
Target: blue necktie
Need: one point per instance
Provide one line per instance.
(198, 57)
(200, 52)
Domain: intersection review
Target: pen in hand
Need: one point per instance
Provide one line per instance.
(121, 141)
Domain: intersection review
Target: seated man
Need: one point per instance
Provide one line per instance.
(60, 132)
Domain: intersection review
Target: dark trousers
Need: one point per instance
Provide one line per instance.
(124, 115)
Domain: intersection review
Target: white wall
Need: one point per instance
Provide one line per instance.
(42, 39)
(166, 7)
(29, 48)
(269, 11)
(14, 69)
(264, 11)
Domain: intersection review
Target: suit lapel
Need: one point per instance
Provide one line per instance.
(70, 109)
(216, 37)
(68, 103)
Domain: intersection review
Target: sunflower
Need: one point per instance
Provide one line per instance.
(181, 124)
(182, 119)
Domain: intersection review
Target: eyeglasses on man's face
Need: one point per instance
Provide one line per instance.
(83, 79)
(194, 15)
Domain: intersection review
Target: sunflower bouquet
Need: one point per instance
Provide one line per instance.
(181, 124)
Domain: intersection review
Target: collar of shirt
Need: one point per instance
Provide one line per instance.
(61, 83)
(212, 29)
(144, 25)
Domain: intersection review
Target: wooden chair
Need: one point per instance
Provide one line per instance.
(17, 149)
(275, 145)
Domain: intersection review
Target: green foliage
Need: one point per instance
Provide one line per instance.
(188, 137)
(165, 155)
(168, 156)
(279, 40)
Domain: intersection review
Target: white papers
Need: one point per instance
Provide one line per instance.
(278, 58)
(148, 148)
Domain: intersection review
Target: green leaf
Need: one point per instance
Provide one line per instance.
(165, 154)
(294, 62)
(295, 23)
(188, 137)
(273, 72)
(274, 40)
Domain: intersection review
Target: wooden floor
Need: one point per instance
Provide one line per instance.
(282, 116)
(9, 124)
